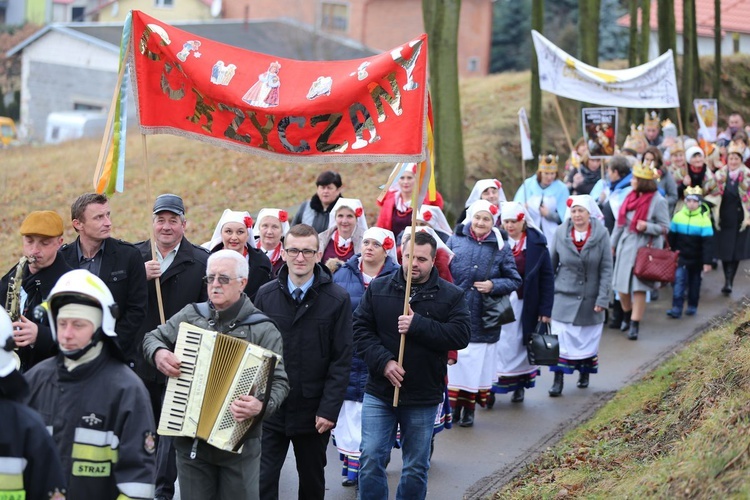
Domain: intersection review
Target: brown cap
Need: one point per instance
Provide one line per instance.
(43, 223)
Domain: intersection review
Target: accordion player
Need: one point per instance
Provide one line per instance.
(215, 369)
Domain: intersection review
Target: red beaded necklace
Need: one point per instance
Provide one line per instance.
(519, 246)
(276, 252)
(579, 244)
(340, 251)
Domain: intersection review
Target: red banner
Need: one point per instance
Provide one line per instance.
(323, 111)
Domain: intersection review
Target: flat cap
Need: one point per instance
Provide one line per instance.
(43, 223)
(169, 202)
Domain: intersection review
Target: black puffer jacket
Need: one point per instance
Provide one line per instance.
(441, 323)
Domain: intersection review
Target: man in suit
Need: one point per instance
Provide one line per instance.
(180, 266)
(118, 263)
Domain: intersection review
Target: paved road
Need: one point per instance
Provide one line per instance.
(473, 462)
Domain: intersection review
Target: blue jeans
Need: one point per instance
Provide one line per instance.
(687, 278)
(380, 421)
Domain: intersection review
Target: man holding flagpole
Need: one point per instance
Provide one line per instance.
(438, 322)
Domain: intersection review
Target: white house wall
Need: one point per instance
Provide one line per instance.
(59, 71)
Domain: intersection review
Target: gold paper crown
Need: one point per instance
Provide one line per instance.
(548, 163)
(667, 123)
(651, 119)
(735, 148)
(678, 146)
(635, 139)
(647, 171)
(694, 190)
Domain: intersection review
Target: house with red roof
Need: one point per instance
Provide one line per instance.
(735, 27)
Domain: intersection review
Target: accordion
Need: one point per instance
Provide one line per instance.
(215, 369)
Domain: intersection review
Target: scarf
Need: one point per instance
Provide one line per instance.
(402, 205)
(638, 202)
(736, 174)
(478, 238)
(519, 245)
(579, 243)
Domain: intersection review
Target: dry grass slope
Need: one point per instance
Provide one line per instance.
(682, 432)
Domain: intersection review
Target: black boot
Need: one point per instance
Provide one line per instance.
(625, 325)
(730, 269)
(583, 380)
(518, 395)
(633, 333)
(557, 386)
(457, 414)
(467, 420)
(491, 400)
(616, 316)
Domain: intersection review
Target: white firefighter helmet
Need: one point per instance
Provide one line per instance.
(9, 361)
(81, 286)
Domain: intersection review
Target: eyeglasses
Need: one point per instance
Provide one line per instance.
(306, 252)
(221, 278)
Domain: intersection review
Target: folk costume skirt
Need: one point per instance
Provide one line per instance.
(475, 369)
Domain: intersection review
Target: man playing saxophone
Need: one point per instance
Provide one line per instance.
(27, 284)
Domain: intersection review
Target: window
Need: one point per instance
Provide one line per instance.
(77, 14)
(473, 64)
(334, 17)
(80, 106)
(164, 3)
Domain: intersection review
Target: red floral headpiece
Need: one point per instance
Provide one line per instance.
(358, 212)
(283, 216)
(569, 202)
(248, 222)
(388, 243)
(493, 209)
(521, 216)
(498, 184)
(427, 216)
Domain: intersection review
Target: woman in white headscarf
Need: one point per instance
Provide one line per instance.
(582, 260)
(532, 302)
(233, 233)
(485, 189)
(395, 208)
(343, 238)
(270, 229)
(378, 258)
(482, 264)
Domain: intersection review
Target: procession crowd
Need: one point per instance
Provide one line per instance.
(369, 358)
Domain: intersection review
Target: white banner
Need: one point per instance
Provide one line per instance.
(650, 85)
(707, 111)
(525, 131)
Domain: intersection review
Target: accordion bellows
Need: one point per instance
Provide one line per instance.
(215, 369)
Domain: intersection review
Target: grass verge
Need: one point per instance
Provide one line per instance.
(683, 431)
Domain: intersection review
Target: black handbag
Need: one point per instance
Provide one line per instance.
(496, 311)
(543, 348)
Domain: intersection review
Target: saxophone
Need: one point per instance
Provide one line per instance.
(13, 297)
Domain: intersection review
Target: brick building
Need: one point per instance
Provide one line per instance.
(379, 24)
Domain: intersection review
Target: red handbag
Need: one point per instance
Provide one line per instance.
(656, 264)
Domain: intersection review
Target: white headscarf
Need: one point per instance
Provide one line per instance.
(385, 238)
(272, 212)
(242, 217)
(481, 186)
(435, 217)
(440, 244)
(514, 210)
(485, 206)
(587, 202)
(355, 206)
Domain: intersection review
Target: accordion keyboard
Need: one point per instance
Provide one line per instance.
(177, 394)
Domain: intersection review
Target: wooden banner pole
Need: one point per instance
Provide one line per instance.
(562, 122)
(157, 281)
(407, 296)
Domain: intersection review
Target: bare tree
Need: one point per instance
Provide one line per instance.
(632, 51)
(645, 29)
(441, 23)
(717, 50)
(690, 64)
